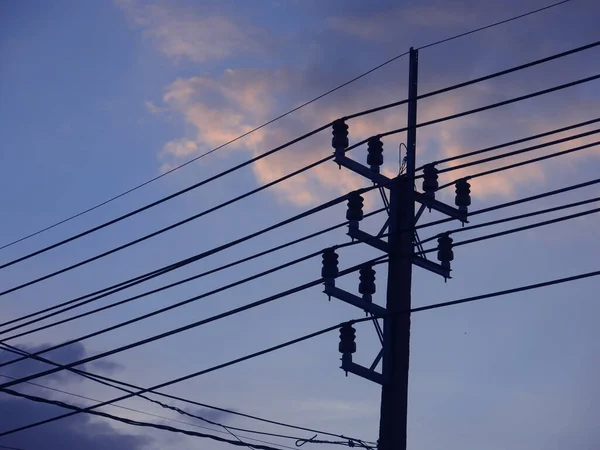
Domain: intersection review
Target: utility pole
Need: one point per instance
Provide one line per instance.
(396, 328)
(400, 247)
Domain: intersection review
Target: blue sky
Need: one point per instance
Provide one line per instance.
(98, 97)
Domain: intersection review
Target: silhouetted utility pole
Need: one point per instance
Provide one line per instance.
(400, 246)
(396, 329)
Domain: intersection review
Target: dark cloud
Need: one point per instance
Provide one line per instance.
(64, 355)
(73, 433)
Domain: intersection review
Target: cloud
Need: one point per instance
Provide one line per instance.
(197, 36)
(382, 25)
(75, 432)
(219, 107)
(62, 355)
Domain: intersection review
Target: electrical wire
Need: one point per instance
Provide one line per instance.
(358, 77)
(38, 399)
(477, 110)
(163, 405)
(519, 229)
(168, 268)
(196, 257)
(93, 376)
(515, 202)
(187, 327)
(164, 309)
(158, 232)
(138, 411)
(535, 11)
(153, 291)
(513, 218)
(523, 163)
(492, 106)
(325, 331)
(32, 254)
(508, 144)
(517, 152)
(476, 80)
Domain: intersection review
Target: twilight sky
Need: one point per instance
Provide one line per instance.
(97, 97)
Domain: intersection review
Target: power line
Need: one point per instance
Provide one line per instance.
(96, 378)
(153, 291)
(526, 162)
(492, 106)
(320, 333)
(515, 202)
(155, 312)
(77, 236)
(161, 310)
(519, 229)
(163, 405)
(517, 217)
(476, 80)
(477, 110)
(517, 152)
(190, 326)
(138, 411)
(35, 398)
(193, 258)
(162, 230)
(494, 24)
(508, 144)
(358, 77)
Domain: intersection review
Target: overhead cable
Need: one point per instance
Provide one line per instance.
(73, 303)
(508, 144)
(320, 333)
(524, 163)
(513, 218)
(517, 152)
(187, 327)
(158, 232)
(515, 202)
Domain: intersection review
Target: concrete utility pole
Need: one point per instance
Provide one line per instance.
(400, 245)
(396, 329)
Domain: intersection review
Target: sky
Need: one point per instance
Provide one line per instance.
(98, 97)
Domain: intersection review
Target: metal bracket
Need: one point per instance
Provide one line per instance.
(375, 177)
(355, 300)
(376, 360)
(441, 207)
(367, 238)
(431, 266)
(361, 371)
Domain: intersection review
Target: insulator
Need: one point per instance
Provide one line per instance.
(463, 194)
(330, 264)
(347, 339)
(340, 135)
(375, 154)
(445, 254)
(430, 180)
(355, 207)
(367, 281)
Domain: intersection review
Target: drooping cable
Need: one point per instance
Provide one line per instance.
(325, 331)
(524, 163)
(74, 305)
(187, 327)
(508, 144)
(517, 217)
(150, 235)
(515, 202)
